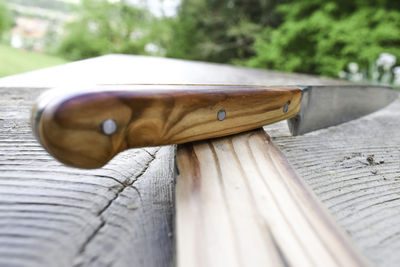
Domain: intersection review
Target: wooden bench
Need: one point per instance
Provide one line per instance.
(123, 213)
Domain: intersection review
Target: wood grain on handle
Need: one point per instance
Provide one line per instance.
(69, 125)
(239, 203)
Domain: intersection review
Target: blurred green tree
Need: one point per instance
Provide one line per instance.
(219, 31)
(322, 37)
(105, 27)
(5, 18)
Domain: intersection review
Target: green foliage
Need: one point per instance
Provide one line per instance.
(212, 30)
(5, 18)
(313, 36)
(15, 61)
(103, 27)
(322, 37)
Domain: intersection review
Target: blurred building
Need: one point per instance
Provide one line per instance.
(29, 33)
(35, 20)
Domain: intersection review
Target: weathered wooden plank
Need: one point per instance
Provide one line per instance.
(239, 203)
(52, 215)
(354, 168)
(136, 228)
(365, 204)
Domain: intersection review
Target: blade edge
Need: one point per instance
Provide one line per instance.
(325, 106)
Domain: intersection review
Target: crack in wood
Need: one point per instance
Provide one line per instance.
(150, 154)
(103, 222)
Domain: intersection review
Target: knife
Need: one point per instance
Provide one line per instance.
(87, 127)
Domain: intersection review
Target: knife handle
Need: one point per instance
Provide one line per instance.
(87, 128)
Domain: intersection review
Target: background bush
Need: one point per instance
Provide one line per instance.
(5, 18)
(104, 27)
(315, 36)
(322, 37)
(219, 31)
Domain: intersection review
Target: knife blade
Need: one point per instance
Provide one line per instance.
(324, 106)
(85, 128)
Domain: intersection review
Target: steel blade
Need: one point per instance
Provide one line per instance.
(324, 106)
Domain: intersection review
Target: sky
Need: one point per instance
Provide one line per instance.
(158, 7)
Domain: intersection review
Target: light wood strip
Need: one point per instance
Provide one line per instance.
(239, 203)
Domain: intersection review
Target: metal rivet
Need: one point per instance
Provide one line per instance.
(286, 107)
(109, 127)
(221, 115)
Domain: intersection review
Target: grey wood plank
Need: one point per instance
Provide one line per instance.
(52, 215)
(354, 168)
(136, 229)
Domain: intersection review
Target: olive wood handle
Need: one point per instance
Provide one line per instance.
(87, 128)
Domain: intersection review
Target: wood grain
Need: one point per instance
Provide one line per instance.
(52, 215)
(69, 126)
(239, 203)
(354, 169)
(363, 198)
